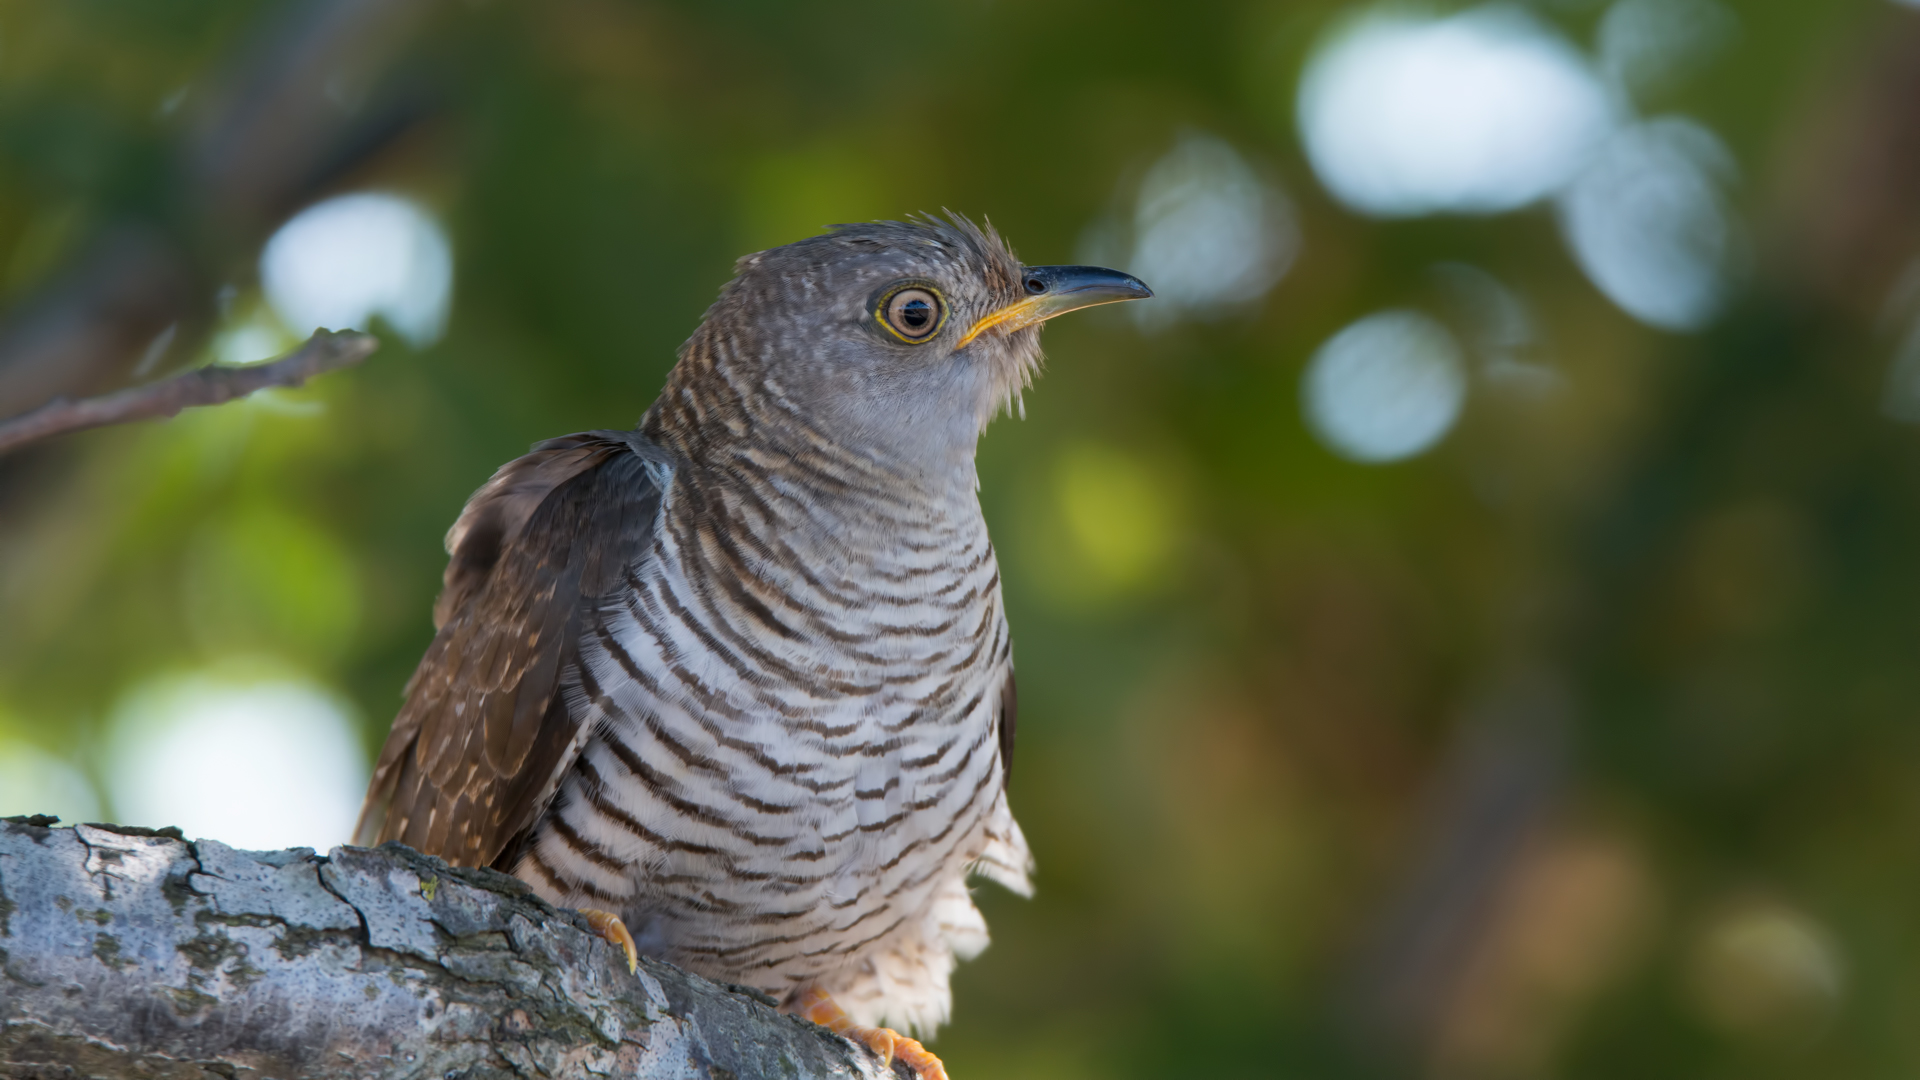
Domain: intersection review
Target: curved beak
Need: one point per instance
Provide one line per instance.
(1056, 290)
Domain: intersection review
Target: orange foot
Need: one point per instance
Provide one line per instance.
(818, 1006)
(608, 927)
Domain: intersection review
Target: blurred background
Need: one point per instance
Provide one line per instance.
(1467, 623)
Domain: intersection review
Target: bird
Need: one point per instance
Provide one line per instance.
(738, 683)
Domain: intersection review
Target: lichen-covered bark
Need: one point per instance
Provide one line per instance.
(129, 953)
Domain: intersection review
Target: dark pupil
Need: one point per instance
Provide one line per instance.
(916, 314)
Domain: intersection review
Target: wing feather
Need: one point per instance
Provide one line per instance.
(486, 731)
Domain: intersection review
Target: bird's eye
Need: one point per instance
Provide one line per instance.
(912, 313)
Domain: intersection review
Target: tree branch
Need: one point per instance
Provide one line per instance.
(211, 385)
(126, 952)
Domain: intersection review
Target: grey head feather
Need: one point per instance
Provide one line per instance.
(792, 351)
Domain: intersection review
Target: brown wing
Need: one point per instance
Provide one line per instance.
(485, 731)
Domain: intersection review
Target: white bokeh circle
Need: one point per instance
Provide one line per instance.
(1386, 388)
(340, 262)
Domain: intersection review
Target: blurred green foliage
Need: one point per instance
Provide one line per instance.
(1248, 668)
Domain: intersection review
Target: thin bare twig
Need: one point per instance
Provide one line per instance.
(212, 385)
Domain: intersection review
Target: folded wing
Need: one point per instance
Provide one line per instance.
(486, 733)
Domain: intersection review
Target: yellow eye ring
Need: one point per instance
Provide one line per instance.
(912, 312)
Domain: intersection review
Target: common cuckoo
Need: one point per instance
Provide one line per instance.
(740, 681)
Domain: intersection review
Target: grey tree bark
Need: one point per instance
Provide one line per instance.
(132, 953)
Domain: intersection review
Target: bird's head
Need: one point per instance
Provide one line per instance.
(899, 339)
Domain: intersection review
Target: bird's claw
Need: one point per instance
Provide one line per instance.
(886, 1043)
(609, 928)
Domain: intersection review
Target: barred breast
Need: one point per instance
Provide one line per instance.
(792, 753)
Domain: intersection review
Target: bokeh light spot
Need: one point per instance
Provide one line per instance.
(1901, 396)
(1387, 387)
(339, 263)
(1114, 514)
(1499, 331)
(1208, 233)
(33, 781)
(1102, 527)
(1765, 971)
(1479, 112)
(1647, 46)
(1649, 226)
(252, 340)
(256, 764)
(1497, 322)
